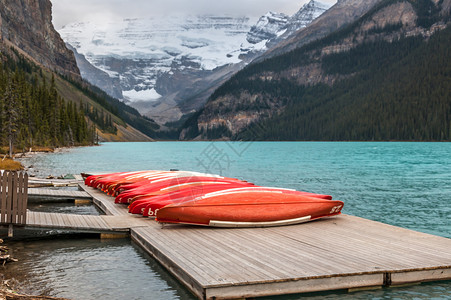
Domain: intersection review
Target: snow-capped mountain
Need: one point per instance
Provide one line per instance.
(274, 26)
(268, 27)
(161, 62)
(139, 50)
(306, 15)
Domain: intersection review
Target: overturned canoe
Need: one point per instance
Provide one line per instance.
(160, 186)
(151, 206)
(147, 206)
(249, 208)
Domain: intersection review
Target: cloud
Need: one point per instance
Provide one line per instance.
(68, 11)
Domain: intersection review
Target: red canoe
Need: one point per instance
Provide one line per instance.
(249, 208)
(105, 181)
(151, 206)
(197, 187)
(174, 178)
(147, 206)
(151, 187)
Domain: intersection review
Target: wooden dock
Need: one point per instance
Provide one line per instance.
(343, 252)
(42, 182)
(82, 223)
(45, 194)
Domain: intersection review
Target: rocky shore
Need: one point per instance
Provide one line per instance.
(7, 286)
(6, 293)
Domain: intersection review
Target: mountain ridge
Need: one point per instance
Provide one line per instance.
(341, 14)
(27, 25)
(176, 79)
(285, 87)
(30, 44)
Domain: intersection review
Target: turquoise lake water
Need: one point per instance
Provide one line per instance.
(403, 184)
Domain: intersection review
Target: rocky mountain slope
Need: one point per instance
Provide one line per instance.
(96, 76)
(360, 82)
(29, 41)
(343, 13)
(167, 67)
(273, 28)
(28, 25)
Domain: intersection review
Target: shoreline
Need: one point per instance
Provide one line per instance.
(32, 153)
(8, 294)
(7, 289)
(36, 173)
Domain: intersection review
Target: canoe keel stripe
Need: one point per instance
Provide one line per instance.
(214, 223)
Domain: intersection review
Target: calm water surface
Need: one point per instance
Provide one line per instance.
(403, 184)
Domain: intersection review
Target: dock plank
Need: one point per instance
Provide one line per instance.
(72, 222)
(88, 222)
(375, 243)
(234, 252)
(405, 236)
(41, 194)
(43, 182)
(60, 220)
(97, 222)
(291, 259)
(197, 261)
(359, 251)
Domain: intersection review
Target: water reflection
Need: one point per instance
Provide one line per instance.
(425, 291)
(65, 208)
(89, 268)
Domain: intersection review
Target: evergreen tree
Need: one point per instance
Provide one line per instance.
(10, 112)
(33, 113)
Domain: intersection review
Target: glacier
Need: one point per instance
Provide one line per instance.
(147, 56)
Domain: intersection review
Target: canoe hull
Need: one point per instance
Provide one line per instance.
(255, 210)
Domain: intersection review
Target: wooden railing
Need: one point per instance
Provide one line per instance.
(13, 199)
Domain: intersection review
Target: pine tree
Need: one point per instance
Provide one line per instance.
(11, 112)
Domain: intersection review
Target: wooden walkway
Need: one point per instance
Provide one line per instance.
(117, 220)
(343, 252)
(82, 223)
(42, 194)
(42, 182)
(105, 203)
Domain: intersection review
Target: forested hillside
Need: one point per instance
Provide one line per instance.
(41, 108)
(403, 94)
(33, 112)
(384, 77)
(43, 99)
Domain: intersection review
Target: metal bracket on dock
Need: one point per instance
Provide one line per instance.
(387, 279)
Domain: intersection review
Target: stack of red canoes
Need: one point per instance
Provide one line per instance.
(211, 200)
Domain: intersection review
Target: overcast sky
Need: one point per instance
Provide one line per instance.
(68, 11)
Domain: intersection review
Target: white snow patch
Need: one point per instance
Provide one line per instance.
(281, 32)
(143, 95)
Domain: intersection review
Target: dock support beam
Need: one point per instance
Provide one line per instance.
(10, 231)
(114, 235)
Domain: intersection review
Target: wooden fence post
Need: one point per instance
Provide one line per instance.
(23, 200)
(14, 199)
(3, 198)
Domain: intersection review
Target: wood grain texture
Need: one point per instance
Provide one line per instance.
(342, 252)
(13, 197)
